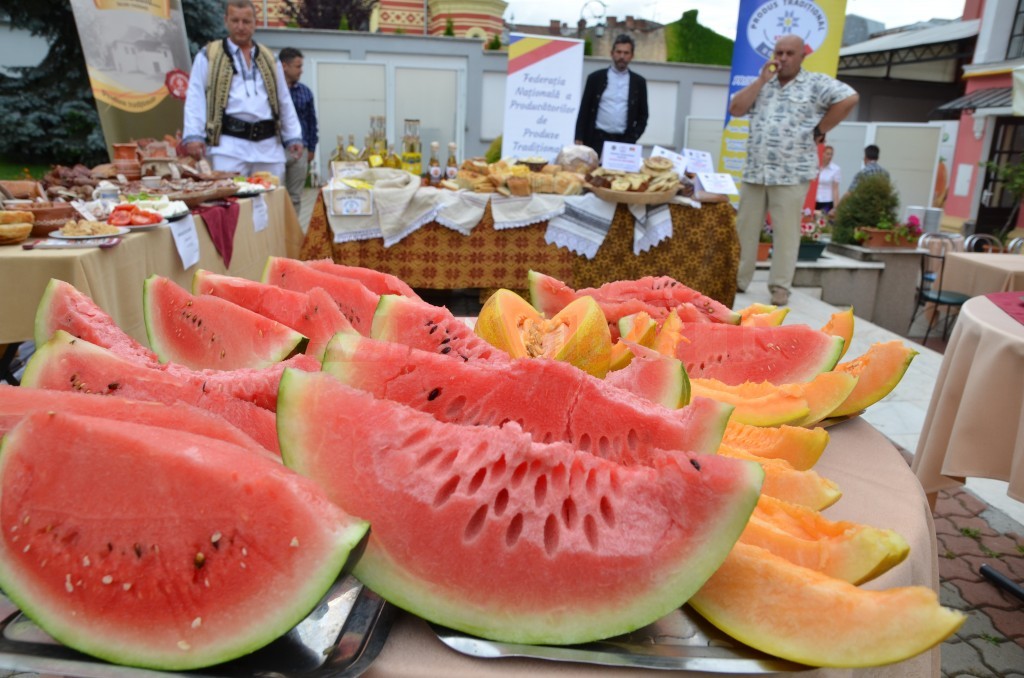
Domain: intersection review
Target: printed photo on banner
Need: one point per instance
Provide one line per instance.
(541, 96)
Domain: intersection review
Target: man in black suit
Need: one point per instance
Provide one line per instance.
(614, 104)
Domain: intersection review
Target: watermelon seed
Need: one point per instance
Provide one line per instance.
(138, 550)
(68, 585)
(242, 565)
(85, 561)
(223, 353)
(127, 586)
(446, 350)
(113, 386)
(197, 622)
(199, 560)
(245, 552)
(27, 547)
(445, 340)
(110, 547)
(695, 464)
(214, 538)
(107, 579)
(432, 329)
(294, 543)
(184, 646)
(433, 394)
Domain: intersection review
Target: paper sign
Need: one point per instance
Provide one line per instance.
(678, 161)
(713, 182)
(260, 215)
(186, 240)
(349, 202)
(964, 175)
(348, 168)
(698, 161)
(622, 157)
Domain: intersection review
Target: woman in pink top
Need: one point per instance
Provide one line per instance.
(828, 182)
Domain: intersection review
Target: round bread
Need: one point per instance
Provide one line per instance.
(657, 165)
(16, 217)
(12, 234)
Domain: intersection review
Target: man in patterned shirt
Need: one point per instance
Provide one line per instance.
(790, 110)
(302, 98)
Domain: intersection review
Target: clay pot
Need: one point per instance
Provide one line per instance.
(126, 161)
(877, 238)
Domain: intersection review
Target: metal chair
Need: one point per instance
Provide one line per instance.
(1015, 246)
(929, 291)
(976, 241)
(938, 243)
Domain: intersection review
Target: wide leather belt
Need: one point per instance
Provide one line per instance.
(253, 131)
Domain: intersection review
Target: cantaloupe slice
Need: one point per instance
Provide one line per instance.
(659, 378)
(845, 550)
(769, 319)
(878, 372)
(795, 613)
(822, 394)
(755, 309)
(800, 446)
(782, 481)
(578, 334)
(639, 328)
(759, 404)
(841, 325)
(669, 334)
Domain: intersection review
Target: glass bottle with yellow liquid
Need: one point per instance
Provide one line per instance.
(434, 170)
(451, 170)
(412, 150)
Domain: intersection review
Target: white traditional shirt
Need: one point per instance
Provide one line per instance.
(781, 148)
(247, 100)
(613, 107)
(828, 175)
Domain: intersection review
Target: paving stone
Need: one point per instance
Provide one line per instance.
(1001, 657)
(984, 593)
(958, 569)
(944, 525)
(962, 659)
(959, 543)
(949, 595)
(970, 502)
(1010, 623)
(977, 526)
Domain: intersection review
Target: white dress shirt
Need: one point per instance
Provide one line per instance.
(827, 175)
(248, 101)
(614, 104)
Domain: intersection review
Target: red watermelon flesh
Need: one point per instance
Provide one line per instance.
(66, 363)
(430, 328)
(737, 354)
(63, 307)
(375, 281)
(257, 386)
(205, 332)
(313, 314)
(550, 399)
(356, 302)
(483, 529)
(17, 402)
(159, 548)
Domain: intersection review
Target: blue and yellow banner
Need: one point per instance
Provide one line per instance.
(761, 23)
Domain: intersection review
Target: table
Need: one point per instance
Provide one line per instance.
(878, 489)
(977, 273)
(975, 421)
(703, 253)
(113, 277)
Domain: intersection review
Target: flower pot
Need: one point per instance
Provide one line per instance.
(810, 251)
(880, 237)
(764, 249)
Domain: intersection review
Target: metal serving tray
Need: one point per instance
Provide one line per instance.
(339, 638)
(680, 641)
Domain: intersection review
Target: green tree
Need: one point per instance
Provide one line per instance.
(494, 43)
(329, 13)
(686, 41)
(874, 203)
(449, 27)
(1012, 177)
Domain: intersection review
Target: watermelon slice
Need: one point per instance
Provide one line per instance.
(734, 355)
(375, 281)
(353, 298)
(431, 328)
(206, 332)
(17, 402)
(659, 378)
(313, 314)
(66, 363)
(484, 530)
(551, 400)
(160, 548)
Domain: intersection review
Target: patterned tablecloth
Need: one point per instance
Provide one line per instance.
(703, 253)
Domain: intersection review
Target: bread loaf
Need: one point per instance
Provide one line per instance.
(16, 217)
(13, 233)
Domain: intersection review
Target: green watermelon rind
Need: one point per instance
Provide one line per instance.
(284, 344)
(52, 619)
(674, 585)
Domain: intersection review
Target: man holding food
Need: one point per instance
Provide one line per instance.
(790, 110)
(238, 109)
(614, 103)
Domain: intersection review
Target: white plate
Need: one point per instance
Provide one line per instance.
(252, 192)
(147, 227)
(60, 236)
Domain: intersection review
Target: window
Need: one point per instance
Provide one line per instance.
(1015, 48)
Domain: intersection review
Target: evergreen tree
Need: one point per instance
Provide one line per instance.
(329, 13)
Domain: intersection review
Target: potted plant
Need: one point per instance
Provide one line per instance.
(813, 226)
(888, 234)
(764, 243)
(872, 203)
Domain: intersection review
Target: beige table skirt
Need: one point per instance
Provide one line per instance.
(975, 273)
(878, 489)
(975, 422)
(113, 277)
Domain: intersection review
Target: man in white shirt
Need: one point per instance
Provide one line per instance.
(238, 109)
(790, 110)
(614, 103)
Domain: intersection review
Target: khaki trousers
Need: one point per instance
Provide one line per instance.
(295, 178)
(785, 203)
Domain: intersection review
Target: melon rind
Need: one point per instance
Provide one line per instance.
(801, 447)
(804, 616)
(431, 328)
(878, 372)
(483, 530)
(136, 504)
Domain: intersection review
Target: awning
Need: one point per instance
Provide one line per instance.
(933, 54)
(995, 98)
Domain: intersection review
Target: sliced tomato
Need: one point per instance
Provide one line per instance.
(144, 218)
(120, 218)
(125, 207)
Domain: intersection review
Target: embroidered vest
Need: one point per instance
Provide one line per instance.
(218, 85)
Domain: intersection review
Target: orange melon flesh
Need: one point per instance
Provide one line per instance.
(845, 550)
(638, 328)
(823, 394)
(755, 309)
(801, 615)
(878, 372)
(769, 319)
(841, 325)
(782, 481)
(578, 334)
(801, 447)
(755, 403)
(669, 334)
